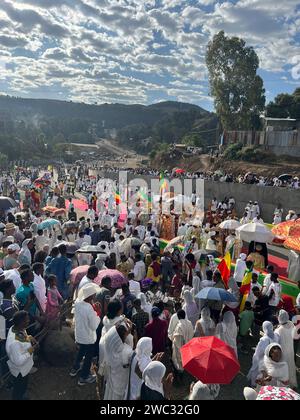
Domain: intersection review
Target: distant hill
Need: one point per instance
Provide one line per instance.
(42, 126)
(113, 115)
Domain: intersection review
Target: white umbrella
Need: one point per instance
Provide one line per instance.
(24, 183)
(256, 232)
(230, 224)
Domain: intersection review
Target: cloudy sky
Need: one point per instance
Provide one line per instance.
(138, 51)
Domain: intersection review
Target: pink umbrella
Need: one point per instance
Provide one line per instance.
(117, 278)
(77, 274)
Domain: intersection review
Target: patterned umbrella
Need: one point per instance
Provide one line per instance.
(272, 393)
(285, 229)
(293, 242)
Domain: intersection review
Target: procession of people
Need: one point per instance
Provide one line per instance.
(139, 286)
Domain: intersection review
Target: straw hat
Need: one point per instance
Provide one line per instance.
(87, 291)
(10, 226)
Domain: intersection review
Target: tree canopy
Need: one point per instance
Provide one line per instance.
(235, 85)
(285, 106)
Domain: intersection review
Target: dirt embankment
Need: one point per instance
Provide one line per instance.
(204, 163)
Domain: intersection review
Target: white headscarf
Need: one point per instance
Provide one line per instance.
(25, 251)
(153, 376)
(250, 394)
(206, 322)
(143, 352)
(202, 392)
(277, 370)
(146, 306)
(229, 321)
(268, 329)
(243, 257)
(283, 317)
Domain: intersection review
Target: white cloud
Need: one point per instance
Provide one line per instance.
(129, 50)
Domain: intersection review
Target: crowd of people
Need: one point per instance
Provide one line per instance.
(287, 181)
(133, 333)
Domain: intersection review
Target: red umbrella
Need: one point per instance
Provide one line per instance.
(179, 171)
(210, 360)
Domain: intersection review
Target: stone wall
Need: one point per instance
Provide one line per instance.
(268, 197)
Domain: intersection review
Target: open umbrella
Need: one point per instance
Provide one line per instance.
(284, 230)
(272, 393)
(70, 224)
(285, 177)
(24, 184)
(48, 223)
(230, 224)
(293, 243)
(117, 278)
(71, 247)
(179, 171)
(213, 293)
(210, 360)
(91, 249)
(7, 203)
(256, 232)
(78, 273)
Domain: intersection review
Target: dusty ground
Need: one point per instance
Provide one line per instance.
(51, 383)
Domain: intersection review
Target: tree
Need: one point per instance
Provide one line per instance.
(238, 90)
(285, 106)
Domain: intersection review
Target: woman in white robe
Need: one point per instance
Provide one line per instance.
(285, 333)
(240, 269)
(227, 330)
(273, 369)
(203, 392)
(183, 333)
(139, 363)
(190, 307)
(205, 327)
(118, 356)
(145, 305)
(113, 318)
(268, 338)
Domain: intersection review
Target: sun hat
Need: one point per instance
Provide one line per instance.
(87, 291)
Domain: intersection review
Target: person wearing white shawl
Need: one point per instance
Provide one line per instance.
(268, 338)
(227, 330)
(202, 392)
(114, 317)
(146, 306)
(273, 369)
(205, 327)
(235, 291)
(183, 333)
(153, 382)
(190, 307)
(286, 341)
(25, 256)
(104, 246)
(139, 363)
(118, 356)
(240, 269)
